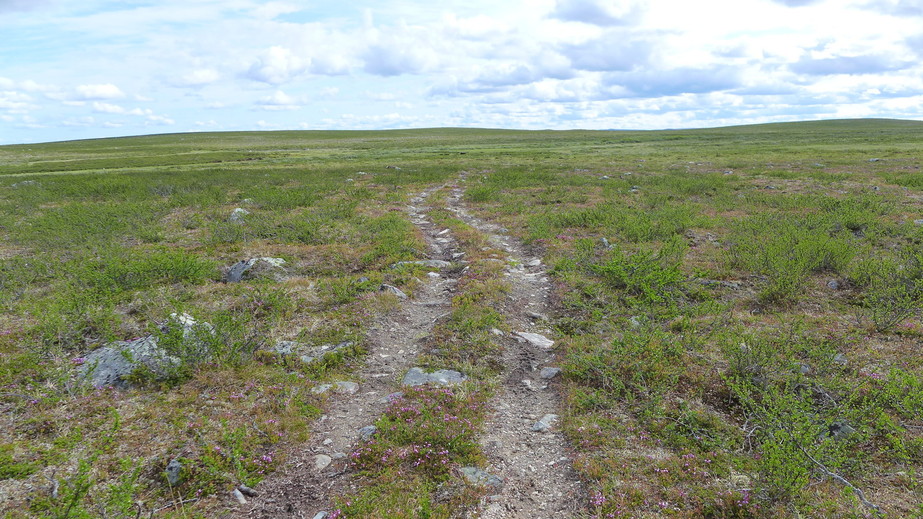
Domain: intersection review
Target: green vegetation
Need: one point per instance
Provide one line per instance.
(738, 311)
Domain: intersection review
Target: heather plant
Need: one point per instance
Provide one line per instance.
(428, 430)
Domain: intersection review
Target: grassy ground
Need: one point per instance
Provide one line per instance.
(744, 342)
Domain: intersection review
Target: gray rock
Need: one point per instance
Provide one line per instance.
(173, 471)
(537, 316)
(111, 365)
(634, 322)
(393, 290)
(284, 347)
(320, 389)
(545, 423)
(238, 214)
(239, 496)
(874, 160)
(534, 263)
(840, 359)
(312, 354)
(833, 284)
(841, 430)
(247, 491)
(442, 377)
(367, 432)
(397, 395)
(322, 461)
(549, 373)
(192, 329)
(918, 222)
(481, 478)
(349, 388)
(535, 339)
(25, 183)
(802, 368)
(605, 243)
(253, 268)
(733, 285)
(321, 515)
(436, 264)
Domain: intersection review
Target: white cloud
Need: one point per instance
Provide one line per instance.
(596, 12)
(107, 108)
(279, 100)
(161, 120)
(277, 65)
(14, 102)
(199, 77)
(396, 59)
(22, 5)
(101, 91)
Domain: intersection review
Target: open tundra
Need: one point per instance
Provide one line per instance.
(465, 323)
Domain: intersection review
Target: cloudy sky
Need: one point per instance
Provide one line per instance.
(74, 69)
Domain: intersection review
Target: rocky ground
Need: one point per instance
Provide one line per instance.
(529, 472)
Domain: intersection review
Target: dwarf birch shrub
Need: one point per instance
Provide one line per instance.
(647, 277)
(893, 287)
(786, 250)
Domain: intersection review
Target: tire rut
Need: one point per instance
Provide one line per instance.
(537, 467)
(301, 489)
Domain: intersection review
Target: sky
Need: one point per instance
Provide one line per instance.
(74, 69)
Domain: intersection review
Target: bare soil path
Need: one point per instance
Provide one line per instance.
(536, 466)
(539, 479)
(316, 473)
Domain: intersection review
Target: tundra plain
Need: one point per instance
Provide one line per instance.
(735, 315)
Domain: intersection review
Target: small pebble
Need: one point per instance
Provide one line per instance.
(247, 491)
(549, 373)
(545, 423)
(239, 496)
(322, 461)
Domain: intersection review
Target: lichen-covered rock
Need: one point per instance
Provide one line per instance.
(238, 214)
(535, 339)
(254, 268)
(545, 423)
(111, 365)
(442, 377)
(481, 478)
(436, 264)
(393, 290)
